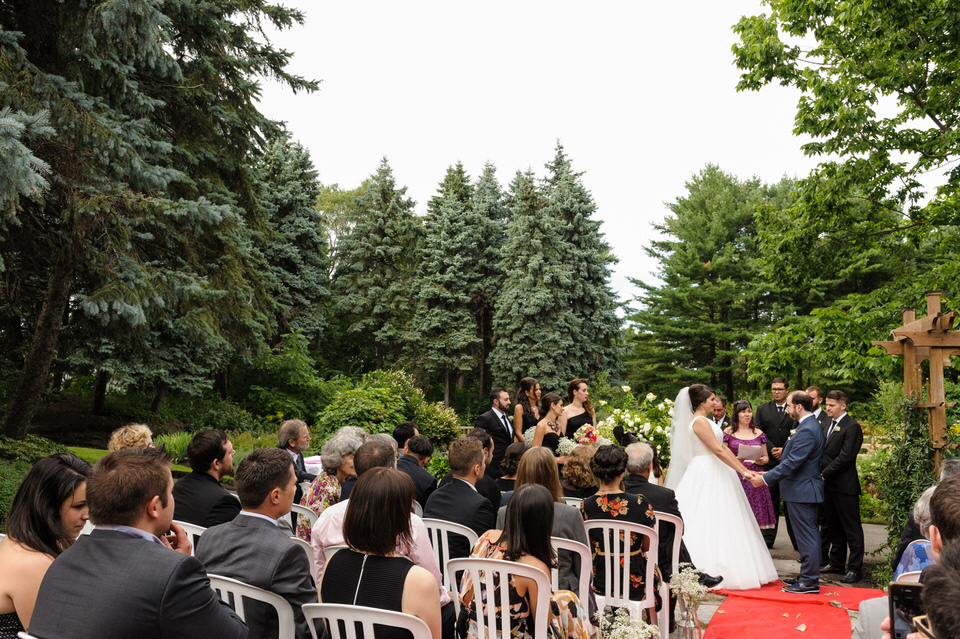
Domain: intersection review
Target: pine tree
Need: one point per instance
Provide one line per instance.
(376, 263)
(456, 183)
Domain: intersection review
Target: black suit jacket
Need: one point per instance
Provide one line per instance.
(664, 500)
(824, 420)
(491, 422)
(300, 470)
(724, 423)
(200, 499)
(775, 426)
(839, 462)
(111, 584)
(460, 503)
(485, 486)
(423, 482)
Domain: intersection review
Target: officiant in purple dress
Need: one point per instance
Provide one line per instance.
(742, 432)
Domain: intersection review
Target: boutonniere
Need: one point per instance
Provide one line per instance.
(836, 429)
(793, 432)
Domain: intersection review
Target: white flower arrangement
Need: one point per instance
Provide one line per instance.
(686, 584)
(528, 436)
(565, 446)
(623, 625)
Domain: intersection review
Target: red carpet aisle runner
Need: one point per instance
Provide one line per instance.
(766, 612)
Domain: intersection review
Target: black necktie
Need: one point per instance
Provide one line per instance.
(780, 410)
(833, 425)
(506, 424)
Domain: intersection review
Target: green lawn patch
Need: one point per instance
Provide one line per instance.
(91, 455)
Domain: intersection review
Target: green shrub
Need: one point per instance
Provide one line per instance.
(16, 458)
(176, 446)
(439, 465)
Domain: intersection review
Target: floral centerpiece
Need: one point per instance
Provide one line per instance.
(623, 625)
(650, 421)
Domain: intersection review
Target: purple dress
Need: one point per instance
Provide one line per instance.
(759, 498)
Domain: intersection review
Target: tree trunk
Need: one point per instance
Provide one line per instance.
(446, 388)
(100, 391)
(158, 398)
(33, 376)
(379, 356)
(486, 324)
(219, 384)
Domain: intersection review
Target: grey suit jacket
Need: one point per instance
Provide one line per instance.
(257, 552)
(111, 584)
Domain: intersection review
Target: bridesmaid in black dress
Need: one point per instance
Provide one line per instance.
(525, 412)
(578, 412)
(548, 429)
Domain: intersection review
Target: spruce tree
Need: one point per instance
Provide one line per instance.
(456, 184)
(377, 261)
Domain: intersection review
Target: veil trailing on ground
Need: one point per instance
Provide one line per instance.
(681, 439)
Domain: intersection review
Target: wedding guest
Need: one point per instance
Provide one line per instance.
(336, 457)
(403, 432)
(47, 514)
(579, 412)
(548, 431)
(294, 437)
(743, 433)
(508, 467)
(485, 485)
(416, 454)
(941, 591)
(719, 414)
(578, 479)
(918, 555)
(199, 498)
(911, 531)
(526, 410)
(130, 436)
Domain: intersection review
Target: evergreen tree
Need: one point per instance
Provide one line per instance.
(536, 331)
(377, 261)
(456, 183)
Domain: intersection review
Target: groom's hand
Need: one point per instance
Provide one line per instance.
(757, 480)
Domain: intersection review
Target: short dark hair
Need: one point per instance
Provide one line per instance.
(802, 398)
(609, 463)
(495, 394)
(122, 483)
(403, 432)
(780, 380)
(206, 447)
(699, 393)
(378, 511)
(373, 453)
(838, 396)
(463, 454)
(420, 447)
(34, 519)
(941, 591)
(816, 388)
(738, 407)
(483, 435)
(259, 472)
(511, 458)
(528, 523)
(945, 508)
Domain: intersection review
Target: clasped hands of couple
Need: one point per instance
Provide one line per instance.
(755, 477)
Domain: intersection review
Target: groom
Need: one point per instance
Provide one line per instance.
(802, 488)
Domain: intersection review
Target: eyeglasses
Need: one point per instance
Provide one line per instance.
(922, 624)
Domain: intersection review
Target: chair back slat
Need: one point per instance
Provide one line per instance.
(343, 620)
(233, 592)
(615, 546)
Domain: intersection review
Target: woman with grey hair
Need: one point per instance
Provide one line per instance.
(336, 457)
(918, 555)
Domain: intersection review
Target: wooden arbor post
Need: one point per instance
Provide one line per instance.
(928, 338)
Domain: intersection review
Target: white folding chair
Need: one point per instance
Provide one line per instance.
(586, 567)
(911, 577)
(233, 592)
(87, 528)
(482, 574)
(363, 616)
(417, 509)
(305, 512)
(308, 550)
(667, 518)
(617, 580)
(439, 532)
(23, 635)
(573, 501)
(194, 531)
(2, 536)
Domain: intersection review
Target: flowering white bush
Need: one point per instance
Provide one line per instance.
(623, 625)
(649, 421)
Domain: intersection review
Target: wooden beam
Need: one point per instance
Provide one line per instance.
(943, 322)
(936, 340)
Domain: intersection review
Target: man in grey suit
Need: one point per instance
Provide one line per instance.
(128, 578)
(801, 487)
(252, 547)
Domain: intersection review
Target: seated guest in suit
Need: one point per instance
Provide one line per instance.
(253, 549)
(509, 464)
(128, 578)
(337, 461)
(415, 456)
(459, 501)
(371, 572)
(130, 436)
(294, 437)
(328, 531)
(200, 499)
(486, 485)
(403, 432)
(578, 479)
(48, 511)
(496, 422)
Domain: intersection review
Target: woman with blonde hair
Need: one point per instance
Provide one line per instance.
(578, 479)
(130, 436)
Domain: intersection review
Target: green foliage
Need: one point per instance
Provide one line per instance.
(16, 459)
(245, 442)
(606, 397)
(439, 465)
(175, 444)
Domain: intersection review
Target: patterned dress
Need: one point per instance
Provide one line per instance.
(567, 617)
(324, 492)
(634, 509)
(760, 502)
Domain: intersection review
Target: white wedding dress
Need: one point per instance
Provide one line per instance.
(719, 528)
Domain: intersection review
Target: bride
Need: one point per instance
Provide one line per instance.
(720, 530)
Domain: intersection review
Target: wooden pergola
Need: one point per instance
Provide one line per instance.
(929, 338)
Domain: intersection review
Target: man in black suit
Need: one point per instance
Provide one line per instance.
(821, 416)
(255, 550)
(496, 422)
(719, 416)
(403, 432)
(200, 498)
(772, 418)
(294, 437)
(459, 500)
(128, 578)
(485, 486)
(416, 454)
(841, 483)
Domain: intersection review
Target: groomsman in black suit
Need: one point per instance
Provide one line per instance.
(775, 422)
(817, 395)
(841, 504)
(720, 417)
(496, 422)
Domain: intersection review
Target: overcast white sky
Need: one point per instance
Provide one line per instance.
(641, 94)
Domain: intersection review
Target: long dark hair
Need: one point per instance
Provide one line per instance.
(574, 385)
(546, 402)
(526, 384)
(528, 524)
(738, 407)
(34, 518)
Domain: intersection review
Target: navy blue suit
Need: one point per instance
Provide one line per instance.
(801, 487)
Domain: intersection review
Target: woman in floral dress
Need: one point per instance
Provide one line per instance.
(337, 460)
(742, 432)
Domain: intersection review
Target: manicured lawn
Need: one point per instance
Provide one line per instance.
(91, 455)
